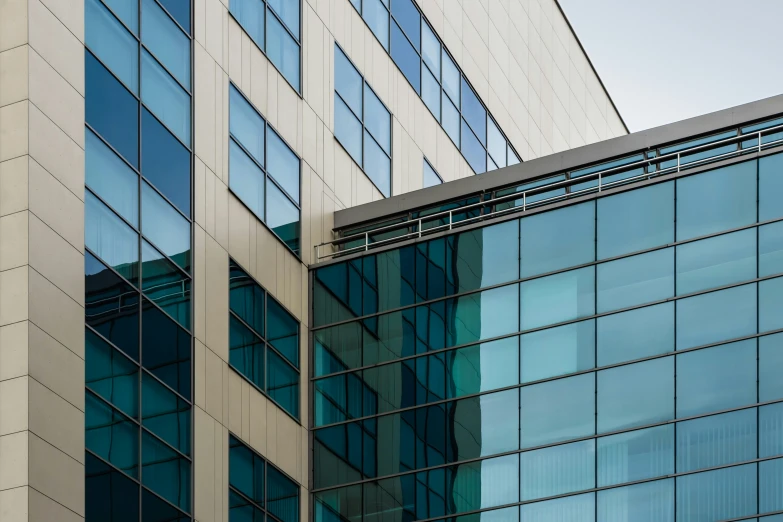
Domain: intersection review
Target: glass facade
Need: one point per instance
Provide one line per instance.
(424, 61)
(431, 178)
(138, 269)
(616, 359)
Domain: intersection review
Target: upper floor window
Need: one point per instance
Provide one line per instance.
(274, 26)
(263, 170)
(362, 123)
(431, 177)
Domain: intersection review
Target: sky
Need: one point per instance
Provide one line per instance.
(668, 60)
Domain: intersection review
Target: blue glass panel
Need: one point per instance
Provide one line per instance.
(496, 144)
(165, 472)
(377, 119)
(556, 298)
(716, 440)
(771, 249)
(771, 430)
(636, 394)
(348, 82)
(246, 352)
(165, 162)
(289, 13)
(472, 150)
(165, 98)
(110, 374)
(557, 470)
(770, 187)
(431, 177)
(112, 43)
(165, 414)
(377, 165)
(717, 495)
(110, 238)
(716, 261)
(166, 349)
(483, 367)
(283, 496)
(451, 120)
(283, 165)
(180, 10)
(282, 217)
(246, 179)
(430, 92)
(558, 239)
(377, 18)
(450, 77)
(770, 367)
(770, 486)
(111, 110)
(430, 48)
(717, 200)
(408, 17)
(716, 378)
(282, 50)
(771, 304)
(165, 227)
(636, 280)
(716, 316)
(110, 435)
(250, 15)
(474, 112)
(557, 410)
(166, 41)
(578, 508)
(165, 284)
(347, 129)
(246, 125)
(635, 334)
(484, 484)
(111, 178)
(558, 351)
(636, 455)
(127, 11)
(283, 332)
(282, 383)
(405, 56)
(109, 494)
(647, 502)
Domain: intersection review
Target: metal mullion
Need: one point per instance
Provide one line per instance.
(115, 468)
(156, 437)
(111, 147)
(167, 258)
(166, 199)
(149, 373)
(269, 345)
(187, 33)
(136, 96)
(280, 20)
(243, 149)
(252, 330)
(119, 216)
(285, 192)
(163, 66)
(108, 8)
(111, 344)
(247, 499)
(113, 407)
(361, 120)
(139, 113)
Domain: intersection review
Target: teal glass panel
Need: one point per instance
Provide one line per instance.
(246, 352)
(556, 298)
(577, 508)
(110, 238)
(473, 317)
(483, 367)
(636, 395)
(165, 414)
(241, 510)
(127, 11)
(246, 471)
(246, 125)
(282, 165)
(161, 35)
(636, 220)
(636, 455)
(717, 378)
(557, 410)
(635, 280)
(112, 43)
(246, 298)
(154, 509)
(110, 435)
(282, 496)
(771, 249)
(165, 98)
(250, 15)
(635, 334)
(770, 187)
(337, 348)
(110, 374)
(166, 228)
(716, 440)
(771, 430)
(111, 178)
(717, 495)
(109, 494)
(557, 470)
(496, 479)
(717, 261)
(558, 239)
(165, 471)
(246, 180)
(771, 304)
(282, 383)
(717, 200)
(338, 504)
(282, 216)
(282, 50)
(164, 284)
(283, 332)
(484, 257)
(646, 502)
(557, 351)
(339, 398)
(716, 316)
(485, 425)
(166, 349)
(771, 486)
(770, 367)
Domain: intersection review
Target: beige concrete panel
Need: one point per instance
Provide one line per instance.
(234, 65)
(13, 295)
(200, 373)
(259, 67)
(287, 450)
(265, 269)
(56, 98)
(56, 259)
(221, 123)
(316, 208)
(13, 185)
(245, 79)
(216, 299)
(56, 367)
(257, 412)
(56, 44)
(278, 289)
(70, 13)
(221, 473)
(56, 475)
(199, 189)
(221, 213)
(14, 351)
(205, 121)
(313, 81)
(240, 222)
(309, 135)
(209, 224)
(200, 22)
(235, 383)
(57, 153)
(306, 248)
(199, 290)
(52, 202)
(245, 409)
(14, 238)
(14, 454)
(56, 314)
(13, 75)
(216, 14)
(272, 415)
(214, 385)
(42, 507)
(13, 504)
(56, 421)
(288, 119)
(204, 466)
(226, 372)
(14, 406)
(13, 130)
(13, 24)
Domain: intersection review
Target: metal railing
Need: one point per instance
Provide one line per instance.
(521, 200)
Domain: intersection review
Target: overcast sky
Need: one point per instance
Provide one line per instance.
(667, 60)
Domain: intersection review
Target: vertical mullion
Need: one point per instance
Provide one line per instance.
(757, 340)
(676, 357)
(595, 350)
(139, 110)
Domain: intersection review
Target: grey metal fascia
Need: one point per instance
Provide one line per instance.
(562, 161)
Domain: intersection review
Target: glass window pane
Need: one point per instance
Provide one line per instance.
(716, 440)
(166, 349)
(498, 262)
(485, 425)
(558, 239)
(636, 280)
(111, 178)
(771, 304)
(112, 43)
(377, 119)
(558, 351)
(636, 394)
(250, 15)
(451, 120)
(717, 200)
(111, 110)
(288, 12)
(111, 435)
(717, 495)
(283, 497)
(164, 284)
(153, 509)
(246, 125)
(496, 144)
(166, 41)
(283, 165)
(246, 471)
(771, 249)
(646, 502)
(483, 367)
(246, 179)
(246, 352)
(716, 378)
(347, 129)
(165, 162)
(578, 508)
(408, 17)
(246, 298)
(282, 217)
(282, 50)
(770, 367)
(110, 238)
(770, 486)
(165, 227)
(430, 48)
(716, 316)
(557, 298)
(770, 187)
(283, 332)
(636, 455)
(430, 92)
(474, 112)
(473, 150)
(282, 383)
(165, 414)
(450, 77)
(557, 410)
(180, 10)
(377, 165)
(771, 430)
(635, 334)
(127, 11)
(636, 220)
(110, 374)
(109, 494)
(484, 484)
(557, 470)
(165, 98)
(165, 472)
(716, 261)
(470, 318)
(405, 56)
(377, 18)
(348, 82)
(431, 177)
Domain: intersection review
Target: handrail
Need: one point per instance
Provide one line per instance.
(524, 196)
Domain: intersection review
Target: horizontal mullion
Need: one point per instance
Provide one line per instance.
(360, 120)
(281, 22)
(244, 323)
(114, 346)
(187, 33)
(261, 220)
(152, 113)
(124, 85)
(163, 66)
(284, 191)
(247, 499)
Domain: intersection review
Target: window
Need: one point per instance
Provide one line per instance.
(362, 124)
(557, 351)
(635, 280)
(557, 239)
(557, 470)
(557, 410)
(274, 27)
(717, 495)
(431, 177)
(716, 316)
(263, 341)
(716, 261)
(646, 502)
(557, 298)
(636, 455)
(717, 440)
(635, 334)
(771, 249)
(264, 173)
